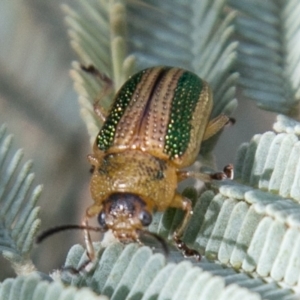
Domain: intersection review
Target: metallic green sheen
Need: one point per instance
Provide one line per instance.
(186, 96)
(106, 135)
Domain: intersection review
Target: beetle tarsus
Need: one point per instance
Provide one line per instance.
(227, 173)
(218, 176)
(89, 69)
(85, 267)
(70, 270)
(95, 72)
(185, 250)
(231, 121)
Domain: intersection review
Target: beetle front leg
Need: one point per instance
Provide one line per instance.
(90, 251)
(186, 205)
(107, 89)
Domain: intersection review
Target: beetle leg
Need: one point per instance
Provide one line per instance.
(88, 242)
(90, 251)
(106, 90)
(226, 174)
(182, 175)
(186, 205)
(215, 125)
(100, 112)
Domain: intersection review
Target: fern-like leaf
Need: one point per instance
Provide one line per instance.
(134, 272)
(271, 163)
(19, 214)
(250, 224)
(287, 125)
(32, 287)
(268, 57)
(251, 230)
(98, 36)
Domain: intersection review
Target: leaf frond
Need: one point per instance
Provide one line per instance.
(268, 58)
(241, 227)
(287, 125)
(270, 162)
(34, 288)
(251, 224)
(99, 36)
(133, 272)
(19, 213)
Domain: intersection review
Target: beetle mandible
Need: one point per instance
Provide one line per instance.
(154, 129)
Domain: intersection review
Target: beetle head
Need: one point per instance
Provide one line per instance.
(125, 214)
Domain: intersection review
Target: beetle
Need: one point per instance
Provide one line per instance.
(154, 129)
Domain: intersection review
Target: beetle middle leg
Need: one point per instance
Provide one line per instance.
(226, 174)
(90, 250)
(106, 90)
(185, 204)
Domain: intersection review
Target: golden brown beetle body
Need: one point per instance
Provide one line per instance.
(155, 128)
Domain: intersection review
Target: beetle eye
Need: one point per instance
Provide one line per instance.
(145, 217)
(101, 219)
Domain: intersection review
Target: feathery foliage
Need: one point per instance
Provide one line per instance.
(32, 287)
(246, 226)
(226, 225)
(269, 49)
(133, 272)
(18, 215)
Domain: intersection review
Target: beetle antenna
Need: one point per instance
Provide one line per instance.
(158, 238)
(45, 234)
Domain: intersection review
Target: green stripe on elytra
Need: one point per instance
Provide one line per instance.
(186, 96)
(106, 135)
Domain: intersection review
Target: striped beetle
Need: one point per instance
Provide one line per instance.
(154, 129)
